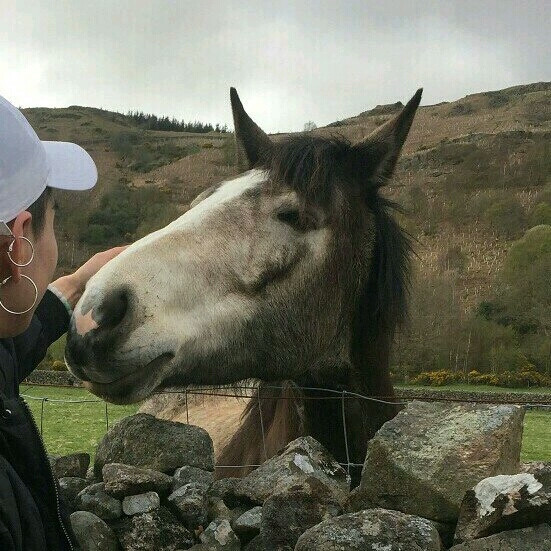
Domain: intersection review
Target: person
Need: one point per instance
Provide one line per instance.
(33, 314)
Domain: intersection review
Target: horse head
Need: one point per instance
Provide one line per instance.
(287, 271)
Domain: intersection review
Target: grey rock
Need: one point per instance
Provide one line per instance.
(540, 468)
(219, 536)
(247, 525)
(186, 474)
(289, 513)
(226, 489)
(73, 465)
(217, 509)
(91, 477)
(94, 500)
(504, 502)
(141, 503)
(534, 538)
(69, 488)
(256, 544)
(154, 531)
(92, 534)
(371, 530)
(424, 460)
(126, 480)
(189, 503)
(144, 441)
(301, 459)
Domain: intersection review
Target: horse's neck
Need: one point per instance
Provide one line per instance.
(275, 416)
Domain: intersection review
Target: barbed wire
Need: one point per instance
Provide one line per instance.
(241, 390)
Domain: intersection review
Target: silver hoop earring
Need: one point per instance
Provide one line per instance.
(34, 301)
(10, 249)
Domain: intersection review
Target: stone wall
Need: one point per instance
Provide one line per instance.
(52, 378)
(438, 476)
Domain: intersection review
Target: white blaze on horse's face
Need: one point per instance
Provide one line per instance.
(175, 300)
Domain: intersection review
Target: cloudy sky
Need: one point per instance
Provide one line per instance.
(291, 61)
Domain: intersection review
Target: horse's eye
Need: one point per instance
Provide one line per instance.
(289, 216)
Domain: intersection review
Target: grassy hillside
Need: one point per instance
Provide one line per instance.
(474, 177)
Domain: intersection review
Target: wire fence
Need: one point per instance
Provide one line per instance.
(252, 392)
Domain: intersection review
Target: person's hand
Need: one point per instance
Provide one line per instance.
(72, 286)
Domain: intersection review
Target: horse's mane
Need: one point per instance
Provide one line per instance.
(312, 166)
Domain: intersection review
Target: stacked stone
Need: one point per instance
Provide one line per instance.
(434, 477)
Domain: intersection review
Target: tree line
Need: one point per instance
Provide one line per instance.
(153, 122)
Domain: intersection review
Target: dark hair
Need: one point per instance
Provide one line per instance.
(38, 211)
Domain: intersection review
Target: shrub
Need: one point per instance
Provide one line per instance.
(506, 217)
(461, 109)
(437, 378)
(541, 214)
(58, 365)
(544, 194)
(508, 359)
(497, 98)
(125, 214)
(453, 259)
(476, 378)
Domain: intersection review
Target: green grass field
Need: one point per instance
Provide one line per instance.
(78, 427)
(74, 427)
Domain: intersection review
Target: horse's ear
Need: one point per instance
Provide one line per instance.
(252, 142)
(379, 152)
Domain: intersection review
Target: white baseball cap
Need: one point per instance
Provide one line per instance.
(29, 165)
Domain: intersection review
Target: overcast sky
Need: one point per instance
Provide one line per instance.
(291, 61)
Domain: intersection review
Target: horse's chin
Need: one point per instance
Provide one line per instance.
(135, 386)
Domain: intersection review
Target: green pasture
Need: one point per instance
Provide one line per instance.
(77, 427)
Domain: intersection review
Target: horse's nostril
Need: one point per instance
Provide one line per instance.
(113, 309)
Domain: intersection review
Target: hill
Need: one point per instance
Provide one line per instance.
(474, 176)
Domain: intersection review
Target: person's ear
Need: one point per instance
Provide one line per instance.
(17, 247)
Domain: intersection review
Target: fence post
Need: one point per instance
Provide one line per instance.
(345, 433)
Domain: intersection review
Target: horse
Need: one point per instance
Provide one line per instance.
(295, 273)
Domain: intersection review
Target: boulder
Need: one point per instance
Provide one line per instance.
(154, 531)
(290, 512)
(424, 460)
(92, 534)
(144, 441)
(303, 458)
(540, 468)
(94, 500)
(226, 489)
(189, 503)
(503, 502)
(186, 474)
(73, 465)
(371, 530)
(141, 503)
(256, 544)
(126, 480)
(247, 525)
(216, 508)
(219, 536)
(69, 488)
(534, 538)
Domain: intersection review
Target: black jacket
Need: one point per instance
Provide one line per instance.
(31, 516)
